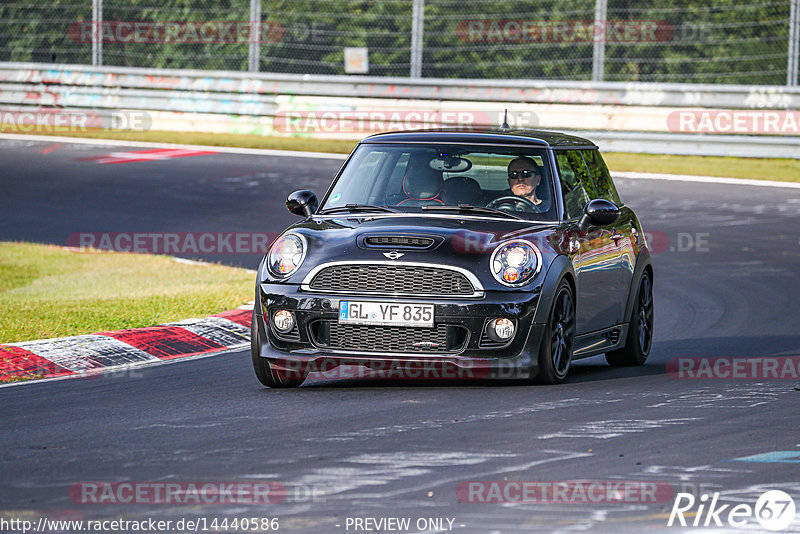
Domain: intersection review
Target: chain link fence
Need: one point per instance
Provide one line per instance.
(694, 41)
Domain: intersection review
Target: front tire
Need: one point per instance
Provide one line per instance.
(555, 352)
(266, 373)
(640, 329)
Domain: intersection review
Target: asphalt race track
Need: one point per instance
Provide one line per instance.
(727, 260)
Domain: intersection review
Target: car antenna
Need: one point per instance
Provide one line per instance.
(505, 125)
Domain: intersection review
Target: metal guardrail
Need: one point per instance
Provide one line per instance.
(229, 101)
(745, 146)
(528, 91)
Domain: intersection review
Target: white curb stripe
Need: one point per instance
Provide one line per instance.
(82, 353)
(219, 330)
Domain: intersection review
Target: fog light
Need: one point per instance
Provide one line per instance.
(283, 320)
(501, 329)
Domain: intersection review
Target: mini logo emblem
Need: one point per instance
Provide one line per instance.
(393, 255)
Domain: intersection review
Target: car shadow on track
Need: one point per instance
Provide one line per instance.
(592, 369)
(589, 370)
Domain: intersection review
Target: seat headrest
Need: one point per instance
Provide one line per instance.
(422, 183)
(461, 190)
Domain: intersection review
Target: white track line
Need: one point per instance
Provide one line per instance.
(145, 144)
(703, 179)
(323, 155)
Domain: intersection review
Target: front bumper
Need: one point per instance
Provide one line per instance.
(467, 352)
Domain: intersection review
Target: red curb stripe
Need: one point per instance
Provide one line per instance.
(165, 342)
(242, 317)
(155, 154)
(17, 362)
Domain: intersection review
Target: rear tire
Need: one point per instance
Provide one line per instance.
(266, 373)
(639, 340)
(555, 351)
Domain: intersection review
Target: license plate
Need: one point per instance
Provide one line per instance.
(385, 313)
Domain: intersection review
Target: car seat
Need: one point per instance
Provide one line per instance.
(462, 190)
(422, 186)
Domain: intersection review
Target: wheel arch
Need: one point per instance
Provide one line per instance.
(643, 264)
(560, 269)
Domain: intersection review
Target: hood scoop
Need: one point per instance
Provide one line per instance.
(399, 241)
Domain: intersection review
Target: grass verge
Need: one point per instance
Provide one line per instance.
(47, 291)
(782, 170)
(787, 170)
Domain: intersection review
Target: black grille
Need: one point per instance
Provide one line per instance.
(368, 338)
(398, 241)
(392, 279)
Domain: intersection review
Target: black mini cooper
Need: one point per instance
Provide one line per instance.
(434, 254)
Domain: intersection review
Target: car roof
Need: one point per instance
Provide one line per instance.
(492, 136)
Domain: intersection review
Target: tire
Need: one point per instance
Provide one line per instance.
(265, 372)
(639, 340)
(555, 352)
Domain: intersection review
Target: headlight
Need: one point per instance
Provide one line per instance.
(515, 262)
(286, 254)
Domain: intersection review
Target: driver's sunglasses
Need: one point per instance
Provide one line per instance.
(527, 173)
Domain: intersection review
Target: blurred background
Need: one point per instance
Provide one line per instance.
(719, 42)
(634, 76)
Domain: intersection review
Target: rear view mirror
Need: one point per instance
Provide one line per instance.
(598, 212)
(447, 163)
(302, 203)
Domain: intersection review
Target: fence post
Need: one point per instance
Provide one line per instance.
(97, 33)
(417, 33)
(599, 53)
(254, 53)
(794, 44)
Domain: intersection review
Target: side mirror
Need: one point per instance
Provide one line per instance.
(302, 203)
(598, 212)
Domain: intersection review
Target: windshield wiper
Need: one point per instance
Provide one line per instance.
(357, 207)
(467, 208)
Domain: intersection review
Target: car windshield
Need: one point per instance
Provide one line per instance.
(468, 179)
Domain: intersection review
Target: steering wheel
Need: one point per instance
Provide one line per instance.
(519, 203)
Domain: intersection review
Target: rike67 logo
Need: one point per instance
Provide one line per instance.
(774, 510)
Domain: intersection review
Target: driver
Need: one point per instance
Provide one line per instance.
(524, 176)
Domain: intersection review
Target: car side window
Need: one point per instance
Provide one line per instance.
(604, 185)
(573, 175)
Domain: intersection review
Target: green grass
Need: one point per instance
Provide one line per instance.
(785, 170)
(753, 168)
(47, 291)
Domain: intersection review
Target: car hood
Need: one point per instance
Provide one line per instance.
(465, 242)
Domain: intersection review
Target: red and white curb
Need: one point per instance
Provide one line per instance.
(91, 354)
